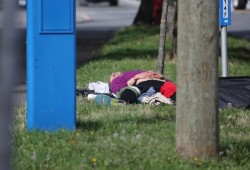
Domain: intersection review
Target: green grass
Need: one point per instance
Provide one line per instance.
(134, 136)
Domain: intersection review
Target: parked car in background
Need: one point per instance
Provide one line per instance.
(22, 3)
(239, 4)
(111, 2)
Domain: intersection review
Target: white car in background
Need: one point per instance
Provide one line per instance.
(22, 3)
(239, 4)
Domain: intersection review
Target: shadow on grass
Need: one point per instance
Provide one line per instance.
(121, 55)
(238, 151)
(128, 53)
(95, 125)
(239, 53)
(134, 33)
(130, 35)
(148, 120)
(88, 125)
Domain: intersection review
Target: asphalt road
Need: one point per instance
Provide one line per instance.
(240, 23)
(97, 23)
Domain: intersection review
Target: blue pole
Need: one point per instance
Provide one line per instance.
(51, 79)
(225, 20)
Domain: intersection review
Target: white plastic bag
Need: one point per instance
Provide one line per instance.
(99, 87)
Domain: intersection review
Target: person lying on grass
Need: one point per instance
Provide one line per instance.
(143, 81)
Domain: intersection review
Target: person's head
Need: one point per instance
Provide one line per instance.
(114, 75)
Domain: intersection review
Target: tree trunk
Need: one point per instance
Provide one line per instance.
(163, 31)
(144, 15)
(174, 32)
(171, 16)
(197, 133)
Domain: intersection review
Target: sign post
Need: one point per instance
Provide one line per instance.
(51, 79)
(225, 20)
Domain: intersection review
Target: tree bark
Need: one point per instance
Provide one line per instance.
(144, 15)
(163, 31)
(197, 133)
(174, 32)
(171, 16)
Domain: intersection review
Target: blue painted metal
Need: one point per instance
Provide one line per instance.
(225, 12)
(51, 68)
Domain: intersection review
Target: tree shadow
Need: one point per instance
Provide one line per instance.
(89, 42)
(239, 53)
(95, 125)
(237, 151)
(88, 125)
(148, 120)
(128, 53)
(134, 33)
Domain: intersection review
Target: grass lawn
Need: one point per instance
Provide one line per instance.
(133, 136)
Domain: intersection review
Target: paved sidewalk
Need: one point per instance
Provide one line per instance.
(19, 95)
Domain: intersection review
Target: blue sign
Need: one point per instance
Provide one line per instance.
(51, 79)
(225, 12)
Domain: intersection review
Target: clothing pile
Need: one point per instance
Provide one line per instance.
(99, 93)
(232, 92)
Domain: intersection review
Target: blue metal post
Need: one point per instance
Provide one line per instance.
(225, 20)
(51, 79)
